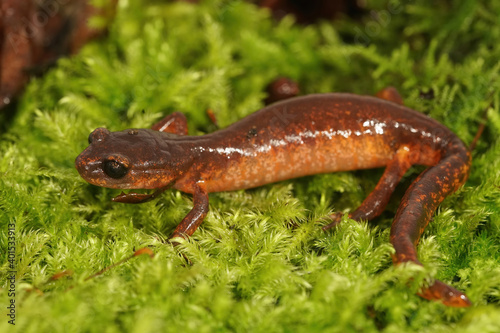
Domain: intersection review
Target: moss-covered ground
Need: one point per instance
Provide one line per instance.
(260, 262)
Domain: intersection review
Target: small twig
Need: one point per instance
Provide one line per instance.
(144, 250)
(482, 125)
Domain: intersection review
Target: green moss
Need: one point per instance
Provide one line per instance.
(260, 261)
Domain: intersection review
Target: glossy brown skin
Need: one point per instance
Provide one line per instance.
(293, 138)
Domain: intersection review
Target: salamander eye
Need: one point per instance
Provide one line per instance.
(98, 134)
(115, 169)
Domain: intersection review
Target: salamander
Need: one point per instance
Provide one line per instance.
(280, 89)
(301, 136)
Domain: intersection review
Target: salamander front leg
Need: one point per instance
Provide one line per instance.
(195, 217)
(377, 200)
(175, 123)
(390, 94)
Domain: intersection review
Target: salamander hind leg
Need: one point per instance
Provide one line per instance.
(377, 200)
(175, 123)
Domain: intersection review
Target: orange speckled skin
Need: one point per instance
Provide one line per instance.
(293, 138)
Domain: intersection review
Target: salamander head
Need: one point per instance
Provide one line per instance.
(133, 159)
